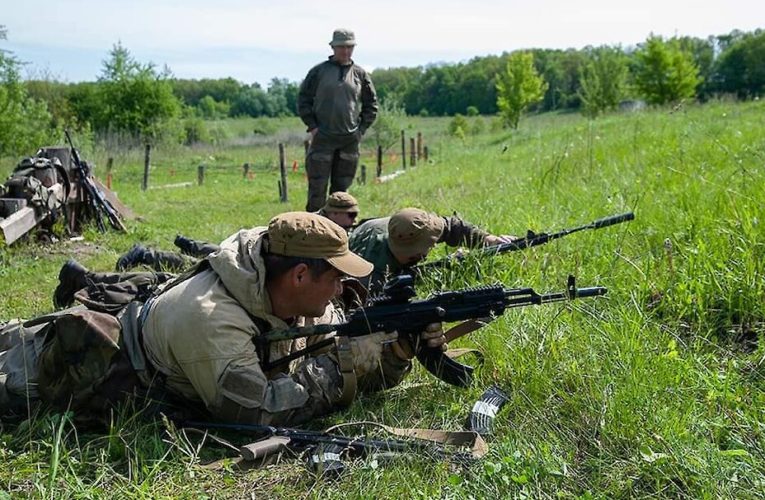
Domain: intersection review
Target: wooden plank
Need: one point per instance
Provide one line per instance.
(18, 224)
(122, 209)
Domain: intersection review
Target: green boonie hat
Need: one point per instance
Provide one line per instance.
(342, 37)
(304, 234)
(412, 231)
(340, 201)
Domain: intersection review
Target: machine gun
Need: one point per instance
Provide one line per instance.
(396, 311)
(532, 239)
(95, 198)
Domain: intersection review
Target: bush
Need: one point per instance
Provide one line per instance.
(458, 126)
(196, 131)
(472, 111)
(477, 127)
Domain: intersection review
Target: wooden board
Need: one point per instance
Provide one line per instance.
(18, 224)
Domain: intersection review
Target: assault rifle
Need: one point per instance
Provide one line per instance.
(396, 311)
(532, 239)
(98, 203)
(325, 451)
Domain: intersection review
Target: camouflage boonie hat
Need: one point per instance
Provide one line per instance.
(304, 234)
(341, 201)
(412, 231)
(342, 37)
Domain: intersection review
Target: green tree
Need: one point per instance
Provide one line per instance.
(386, 129)
(517, 87)
(602, 80)
(134, 97)
(665, 73)
(740, 69)
(25, 123)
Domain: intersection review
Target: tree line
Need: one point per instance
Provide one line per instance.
(139, 100)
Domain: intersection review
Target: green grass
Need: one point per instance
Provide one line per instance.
(654, 390)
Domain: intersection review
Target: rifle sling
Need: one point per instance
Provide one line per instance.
(478, 447)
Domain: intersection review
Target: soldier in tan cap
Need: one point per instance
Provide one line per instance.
(404, 239)
(342, 209)
(338, 103)
(198, 335)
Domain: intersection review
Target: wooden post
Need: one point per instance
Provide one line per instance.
(283, 172)
(379, 161)
(109, 165)
(425, 153)
(403, 150)
(245, 170)
(412, 153)
(146, 163)
(363, 179)
(201, 174)
(419, 145)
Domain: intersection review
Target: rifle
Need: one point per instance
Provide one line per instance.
(98, 203)
(532, 239)
(395, 311)
(325, 450)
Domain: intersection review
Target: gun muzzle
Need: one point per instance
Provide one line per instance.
(613, 219)
(591, 291)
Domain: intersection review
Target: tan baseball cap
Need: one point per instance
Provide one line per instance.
(340, 201)
(304, 234)
(342, 36)
(412, 231)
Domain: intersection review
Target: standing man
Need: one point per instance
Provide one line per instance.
(338, 103)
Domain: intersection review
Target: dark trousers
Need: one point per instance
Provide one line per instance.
(331, 161)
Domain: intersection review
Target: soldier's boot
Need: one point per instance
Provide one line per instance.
(72, 277)
(167, 261)
(186, 245)
(136, 256)
(195, 248)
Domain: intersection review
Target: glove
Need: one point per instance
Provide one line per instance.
(432, 337)
(367, 351)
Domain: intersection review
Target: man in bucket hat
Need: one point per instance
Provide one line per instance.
(338, 103)
(404, 239)
(342, 209)
(196, 337)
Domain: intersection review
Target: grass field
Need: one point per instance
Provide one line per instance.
(657, 389)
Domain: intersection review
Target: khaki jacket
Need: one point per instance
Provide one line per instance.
(199, 333)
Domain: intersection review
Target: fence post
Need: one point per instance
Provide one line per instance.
(419, 145)
(146, 163)
(283, 172)
(425, 153)
(363, 179)
(201, 174)
(412, 153)
(245, 170)
(109, 165)
(403, 150)
(379, 161)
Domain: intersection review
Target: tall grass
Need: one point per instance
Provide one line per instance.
(654, 390)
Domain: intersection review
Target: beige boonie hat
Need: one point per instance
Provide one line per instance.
(340, 201)
(304, 234)
(342, 37)
(412, 231)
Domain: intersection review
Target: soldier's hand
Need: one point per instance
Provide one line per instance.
(432, 337)
(493, 239)
(367, 350)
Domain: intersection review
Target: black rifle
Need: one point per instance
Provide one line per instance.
(395, 311)
(98, 203)
(532, 239)
(325, 450)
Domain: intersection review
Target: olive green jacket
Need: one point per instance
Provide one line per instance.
(370, 241)
(339, 100)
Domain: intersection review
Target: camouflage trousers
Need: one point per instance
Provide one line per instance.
(331, 161)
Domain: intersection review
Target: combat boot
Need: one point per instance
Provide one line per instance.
(136, 256)
(72, 277)
(185, 244)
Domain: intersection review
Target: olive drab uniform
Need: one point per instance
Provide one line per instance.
(370, 241)
(200, 334)
(340, 101)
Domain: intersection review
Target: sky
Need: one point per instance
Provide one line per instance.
(255, 40)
